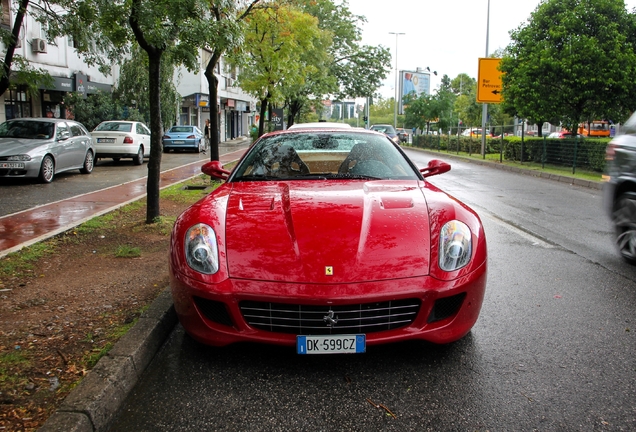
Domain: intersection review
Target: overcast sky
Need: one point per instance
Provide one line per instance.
(448, 36)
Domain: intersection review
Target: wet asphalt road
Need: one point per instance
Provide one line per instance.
(553, 349)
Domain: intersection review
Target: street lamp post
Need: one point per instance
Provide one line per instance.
(396, 78)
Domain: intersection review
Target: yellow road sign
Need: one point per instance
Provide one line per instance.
(489, 81)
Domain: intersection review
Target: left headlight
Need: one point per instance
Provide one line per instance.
(22, 158)
(455, 246)
(201, 250)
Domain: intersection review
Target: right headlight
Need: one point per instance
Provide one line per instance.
(201, 250)
(455, 246)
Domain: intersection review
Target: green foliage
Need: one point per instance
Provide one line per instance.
(22, 261)
(356, 70)
(94, 109)
(562, 65)
(127, 251)
(568, 154)
(133, 89)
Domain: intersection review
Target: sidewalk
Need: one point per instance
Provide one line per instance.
(27, 227)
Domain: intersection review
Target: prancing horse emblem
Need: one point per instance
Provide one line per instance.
(329, 319)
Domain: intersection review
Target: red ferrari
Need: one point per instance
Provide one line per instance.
(327, 240)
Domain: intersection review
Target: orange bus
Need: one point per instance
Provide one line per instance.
(595, 128)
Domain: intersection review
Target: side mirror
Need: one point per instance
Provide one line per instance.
(63, 135)
(435, 167)
(215, 170)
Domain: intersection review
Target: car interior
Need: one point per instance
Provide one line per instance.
(325, 155)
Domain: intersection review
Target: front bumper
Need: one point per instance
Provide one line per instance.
(187, 144)
(212, 313)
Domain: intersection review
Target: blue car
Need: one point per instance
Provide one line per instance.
(183, 138)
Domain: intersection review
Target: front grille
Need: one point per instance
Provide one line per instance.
(312, 320)
(215, 311)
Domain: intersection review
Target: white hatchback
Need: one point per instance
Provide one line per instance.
(118, 139)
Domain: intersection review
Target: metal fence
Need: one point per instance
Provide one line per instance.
(568, 153)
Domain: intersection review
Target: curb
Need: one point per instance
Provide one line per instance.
(95, 402)
(518, 170)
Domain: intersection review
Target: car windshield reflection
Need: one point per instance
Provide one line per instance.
(320, 156)
(26, 130)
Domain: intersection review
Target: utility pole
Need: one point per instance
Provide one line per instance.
(396, 78)
(484, 112)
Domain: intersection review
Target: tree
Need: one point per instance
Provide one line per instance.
(224, 31)
(92, 110)
(16, 69)
(133, 84)
(342, 67)
(275, 37)
(573, 61)
(466, 106)
(167, 30)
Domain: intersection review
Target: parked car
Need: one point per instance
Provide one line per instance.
(118, 139)
(403, 135)
(388, 130)
(183, 138)
(564, 135)
(475, 132)
(43, 147)
(327, 241)
(619, 188)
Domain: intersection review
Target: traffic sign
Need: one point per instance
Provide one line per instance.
(489, 81)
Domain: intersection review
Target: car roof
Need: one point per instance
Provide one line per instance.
(321, 125)
(325, 130)
(43, 119)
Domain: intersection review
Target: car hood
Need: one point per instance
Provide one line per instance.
(327, 232)
(15, 146)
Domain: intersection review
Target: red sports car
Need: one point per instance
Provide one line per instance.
(327, 240)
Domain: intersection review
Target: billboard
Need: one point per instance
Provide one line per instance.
(415, 83)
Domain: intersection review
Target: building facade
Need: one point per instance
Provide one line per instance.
(60, 59)
(70, 73)
(236, 109)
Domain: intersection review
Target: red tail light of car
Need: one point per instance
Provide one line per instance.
(191, 137)
(128, 140)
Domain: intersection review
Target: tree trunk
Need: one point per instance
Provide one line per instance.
(213, 84)
(8, 57)
(156, 129)
(261, 121)
(294, 111)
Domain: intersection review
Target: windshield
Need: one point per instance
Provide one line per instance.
(114, 127)
(27, 129)
(179, 129)
(387, 129)
(324, 155)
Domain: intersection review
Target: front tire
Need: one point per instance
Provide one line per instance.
(139, 158)
(47, 169)
(624, 217)
(89, 163)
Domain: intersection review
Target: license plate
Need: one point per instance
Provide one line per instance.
(15, 165)
(179, 142)
(105, 140)
(331, 344)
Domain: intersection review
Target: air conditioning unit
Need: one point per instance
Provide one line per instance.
(38, 45)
